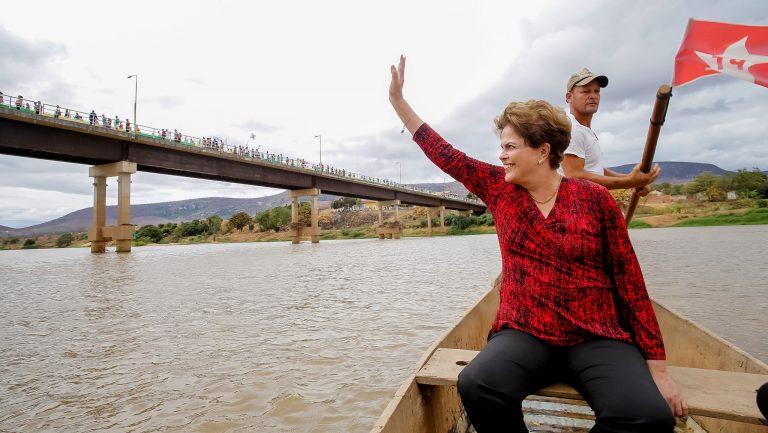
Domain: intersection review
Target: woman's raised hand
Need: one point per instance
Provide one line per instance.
(398, 78)
(410, 120)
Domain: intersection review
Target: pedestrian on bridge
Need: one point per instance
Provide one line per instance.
(573, 302)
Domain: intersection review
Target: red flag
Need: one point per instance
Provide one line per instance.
(719, 48)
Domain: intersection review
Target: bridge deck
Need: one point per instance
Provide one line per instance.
(42, 136)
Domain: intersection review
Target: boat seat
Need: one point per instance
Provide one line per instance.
(711, 393)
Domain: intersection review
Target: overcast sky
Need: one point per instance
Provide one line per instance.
(287, 71)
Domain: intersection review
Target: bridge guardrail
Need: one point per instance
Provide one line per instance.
(210, 144)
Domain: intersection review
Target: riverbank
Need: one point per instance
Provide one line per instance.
(81, 241)
(692, 213)
(651, 213)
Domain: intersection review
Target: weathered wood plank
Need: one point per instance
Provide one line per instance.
(711, 393)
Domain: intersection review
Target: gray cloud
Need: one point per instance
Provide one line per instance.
(634, 44)
(59, 177)
(257, 126)
(164, 101)
(24, 61)
(716, 120)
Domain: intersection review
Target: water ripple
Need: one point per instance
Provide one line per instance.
(287, 338)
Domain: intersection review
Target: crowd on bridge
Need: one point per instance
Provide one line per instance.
(210, 144)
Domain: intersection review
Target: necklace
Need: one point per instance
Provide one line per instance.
(559, 181)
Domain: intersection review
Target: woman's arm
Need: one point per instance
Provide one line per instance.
(667, 387)
(479, 177)
(630, 286)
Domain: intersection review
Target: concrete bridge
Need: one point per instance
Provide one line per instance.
(45, 134)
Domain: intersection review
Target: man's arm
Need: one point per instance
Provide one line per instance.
(573, 166)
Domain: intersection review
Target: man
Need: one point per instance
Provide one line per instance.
(583, 157)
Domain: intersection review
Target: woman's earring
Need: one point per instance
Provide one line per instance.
(540, 162)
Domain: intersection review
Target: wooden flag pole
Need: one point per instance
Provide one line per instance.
(658, 115)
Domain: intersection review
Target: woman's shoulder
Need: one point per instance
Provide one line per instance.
(586, 187)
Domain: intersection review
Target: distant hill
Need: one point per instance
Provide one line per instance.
(160, 213)
(677, 172)
(188, 210)
(453, 187)
(672, 172)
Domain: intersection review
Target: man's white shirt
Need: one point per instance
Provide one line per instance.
(585, 145)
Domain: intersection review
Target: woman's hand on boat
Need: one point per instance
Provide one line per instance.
(398, 78)
(668, 387)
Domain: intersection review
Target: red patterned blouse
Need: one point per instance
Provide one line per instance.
(566, 278)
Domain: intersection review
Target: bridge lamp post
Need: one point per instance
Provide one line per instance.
(321, 147)
(135, 98)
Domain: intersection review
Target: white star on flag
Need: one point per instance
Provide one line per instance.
(735, 60)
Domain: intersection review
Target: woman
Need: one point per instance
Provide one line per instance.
(573, 301)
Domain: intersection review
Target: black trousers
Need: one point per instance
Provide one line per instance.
(611, 375)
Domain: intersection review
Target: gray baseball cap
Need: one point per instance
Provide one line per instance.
(583, 77)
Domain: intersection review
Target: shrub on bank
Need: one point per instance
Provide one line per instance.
(638, 224)
(752, 216)
(460, 223)
(354, 234)
(65, 240)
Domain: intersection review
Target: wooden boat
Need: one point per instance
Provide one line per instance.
(718, 381)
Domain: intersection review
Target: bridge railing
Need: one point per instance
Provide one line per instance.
(208, 144)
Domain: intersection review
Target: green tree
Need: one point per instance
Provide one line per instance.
(715, 193)
(30, 243)
(344, 202)
(168, 228)
(239, 220)
(192, 228)
(745, 181)
(664, 187)
(486, 219)
(305, 214)
(704, 182)
(461, 221)
(150, 233)
(65, 240)
(274, 219)
(214, 224)
(676, 189)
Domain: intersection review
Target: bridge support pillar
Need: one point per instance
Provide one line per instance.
(122, 233)
(441, 211)
(393, 230)
(297, 229)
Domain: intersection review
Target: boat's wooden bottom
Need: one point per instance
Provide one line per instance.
(437, 409)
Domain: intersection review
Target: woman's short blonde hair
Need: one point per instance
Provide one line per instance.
(538, 122)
